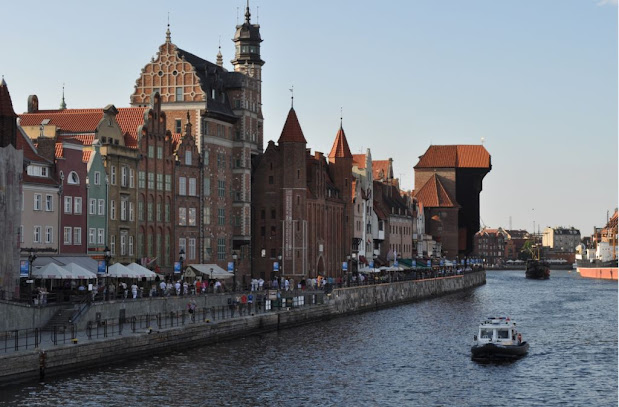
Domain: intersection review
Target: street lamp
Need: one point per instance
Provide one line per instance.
(31, 258)
(181, 258)
(107, 256)
(349, 271)
(234, 257)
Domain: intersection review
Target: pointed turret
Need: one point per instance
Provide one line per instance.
(8, 118)
(220, 58)
(292, 133)
(340, 147)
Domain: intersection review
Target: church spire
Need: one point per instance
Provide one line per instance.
(168, 36)
(247, 13)
(63, 105)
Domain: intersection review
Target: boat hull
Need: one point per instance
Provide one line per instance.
(491, 351)
(537, 270)
(603, 273)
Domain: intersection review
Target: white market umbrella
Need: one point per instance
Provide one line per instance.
(142, 271)
(79, 272)
(119, 271)
(52, 271)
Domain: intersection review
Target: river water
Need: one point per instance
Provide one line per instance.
(411, 355)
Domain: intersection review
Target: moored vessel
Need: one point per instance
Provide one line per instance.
(537, 269)
(498, 339)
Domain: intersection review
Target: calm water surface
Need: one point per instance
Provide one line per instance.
(412, 355)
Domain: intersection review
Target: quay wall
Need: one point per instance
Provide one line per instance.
(31, 365)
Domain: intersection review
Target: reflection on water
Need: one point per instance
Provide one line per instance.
(413, 355)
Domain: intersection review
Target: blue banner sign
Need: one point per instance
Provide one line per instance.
(275, 266)
(24, 267)
(414, 263)
(101, 267)
(231, 266)
(177, 267)
(345, 266)
(429, 263)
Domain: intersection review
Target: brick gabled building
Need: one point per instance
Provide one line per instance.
(300, 207)
(188, 178)
(458, 170)
(225, 109)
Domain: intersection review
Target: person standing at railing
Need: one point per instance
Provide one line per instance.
(134, 290)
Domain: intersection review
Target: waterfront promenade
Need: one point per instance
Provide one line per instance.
(100, 341)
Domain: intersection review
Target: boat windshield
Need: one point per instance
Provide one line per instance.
(485, 333)
(503, 334)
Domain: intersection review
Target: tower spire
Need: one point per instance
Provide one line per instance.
(63, 105)
(168, 37)
(291, 97)
(220, 59)
(247, 13)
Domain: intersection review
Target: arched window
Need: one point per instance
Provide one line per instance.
(73, 179)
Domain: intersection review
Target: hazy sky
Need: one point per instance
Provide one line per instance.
(536, 79)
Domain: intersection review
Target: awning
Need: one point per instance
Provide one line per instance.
(51, 271)
(119, 271)
(368, 270)
(79, 272)
(211, 271)
(142, 271)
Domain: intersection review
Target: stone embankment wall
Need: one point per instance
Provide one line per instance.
(30, 365)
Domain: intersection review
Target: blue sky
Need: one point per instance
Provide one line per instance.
(536, 79)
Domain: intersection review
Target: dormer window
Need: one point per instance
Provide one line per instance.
(73, 178)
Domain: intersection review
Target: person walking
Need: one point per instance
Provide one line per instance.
(177, 286)
(134, 290)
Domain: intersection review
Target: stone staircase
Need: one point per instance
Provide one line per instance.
(60, 320)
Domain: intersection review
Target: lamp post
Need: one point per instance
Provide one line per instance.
(281, 269)
(211, 282)
(31, 257)
(234, 257)
(107, 256)
(349, 271)
(181, 259)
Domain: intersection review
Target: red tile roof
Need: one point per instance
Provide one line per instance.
(58, 153)
(455, 156)
(340, 147)
(358, 160)
(377, 167)
(86, 156)
(292, 132)
(85, 121)
(30, 153)
(85, 139)
(68, 120)
(129, 119)
(434, 194)
(6, 105)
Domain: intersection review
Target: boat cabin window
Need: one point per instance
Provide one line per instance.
(485, 333)
(503, 334)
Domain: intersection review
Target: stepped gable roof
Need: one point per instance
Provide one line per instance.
(358, 160)
(292, 133)
(434, 194)
(455, 156)
(340, 147)
(381, 169)
(6, 105)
